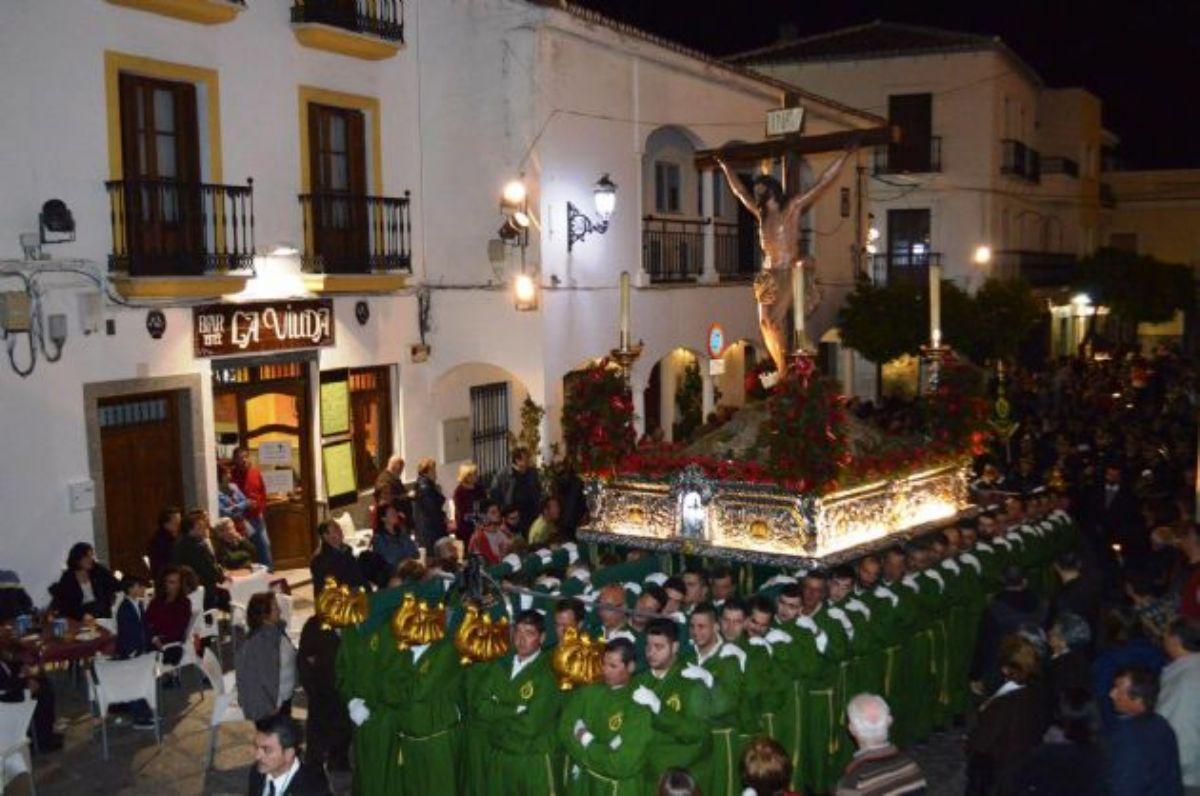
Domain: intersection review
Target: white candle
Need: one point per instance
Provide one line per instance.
(798, 302)
(624, 310)
(935, 305)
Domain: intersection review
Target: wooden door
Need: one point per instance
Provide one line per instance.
(337, 165)
(161, 170)
(140, 455)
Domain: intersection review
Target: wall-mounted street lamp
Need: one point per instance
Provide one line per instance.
(525, 292)
(579, 226)
(515, 230)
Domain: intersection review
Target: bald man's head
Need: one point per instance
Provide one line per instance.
(610, 605)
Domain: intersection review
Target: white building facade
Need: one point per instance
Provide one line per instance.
(995, 174)
(378, 149)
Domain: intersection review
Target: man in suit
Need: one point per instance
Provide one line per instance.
(278, 770)
(1143, 752)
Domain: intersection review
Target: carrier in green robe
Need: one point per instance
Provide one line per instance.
(727, 664)
(821, 711)
(521, 713)
(426, 692)
(614, 763)
(362, 665)
(681, 735)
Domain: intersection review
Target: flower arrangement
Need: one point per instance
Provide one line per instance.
(597, 418)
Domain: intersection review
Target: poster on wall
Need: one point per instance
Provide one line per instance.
(274, 454)
(335, 403)
(278, 482)
(341, 487)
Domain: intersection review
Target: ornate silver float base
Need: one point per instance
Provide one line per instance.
(762, 523)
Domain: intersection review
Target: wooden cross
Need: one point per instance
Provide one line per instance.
(796, 144)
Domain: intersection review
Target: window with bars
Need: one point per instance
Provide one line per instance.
(489, 428)
(133, 413)
(370, 422)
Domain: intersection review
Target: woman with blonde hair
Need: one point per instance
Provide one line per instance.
(467, 496)
(429, 507)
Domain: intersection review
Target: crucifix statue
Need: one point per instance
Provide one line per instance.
(779, 216)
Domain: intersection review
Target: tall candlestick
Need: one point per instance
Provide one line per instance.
(624, 310)
(935, 305)
(798, 306)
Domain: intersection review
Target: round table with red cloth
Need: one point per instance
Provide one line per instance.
(44, 649)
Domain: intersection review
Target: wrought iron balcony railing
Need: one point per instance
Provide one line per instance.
(352, 234)
(1021, 161)
(1039, 269)
(903, 266)
(172, 228)
(896, 159)
(1065, 166)
(673, 248)
(381, 18)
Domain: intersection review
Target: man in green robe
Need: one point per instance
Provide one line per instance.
(774, 691)
(823, 733)
(882, 673)
(680, 699)
(361, 667)
(425, 689)
(912, 671)
(726, 662)
(759, 679)
(519, 702)
(927, 641)
(605, 733)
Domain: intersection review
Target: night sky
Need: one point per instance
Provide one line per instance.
(1143, 63)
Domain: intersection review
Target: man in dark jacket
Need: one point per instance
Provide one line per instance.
(1080, 591)
(334, 559)
(328, 730)
(15, 680)
(519, 485)
(278, 769)
(1143, 752)
(1011, 609)
(193, 550)
(162, 543)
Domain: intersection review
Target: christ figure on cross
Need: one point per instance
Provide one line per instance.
(779, 218)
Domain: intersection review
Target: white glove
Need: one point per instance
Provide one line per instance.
(572, 552)
(694, 672)
(807, 623)
(779, 579)
(657, 578)
(586, 739)
(579, 725)
(548, 582)
(580, 574)
(521, 709)
(513, 560)
(359, 712)
(777, 636)
(615, 743)
(644, 696)
(545, 555)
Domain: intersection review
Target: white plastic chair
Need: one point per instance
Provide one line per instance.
(209, 626)
(14, 744)
(225, 705)
(118, 681)
(187, 647)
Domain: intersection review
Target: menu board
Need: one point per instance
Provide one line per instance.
(340, 482)
(335, 407)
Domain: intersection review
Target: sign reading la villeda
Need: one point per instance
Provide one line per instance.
(225, 329)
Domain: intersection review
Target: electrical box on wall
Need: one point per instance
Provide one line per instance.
(82, 495)
(14, 311)
(91, 312)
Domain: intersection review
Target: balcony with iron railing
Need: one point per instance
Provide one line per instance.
(887, 268)
(1058, 165)
(898, 159)
(348, 235)
(1019, 160)
(673, 248)
(1038, 268)
(170, 229)
(369, 29)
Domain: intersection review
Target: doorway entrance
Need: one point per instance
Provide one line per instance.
(266, 407)
(140, 454)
